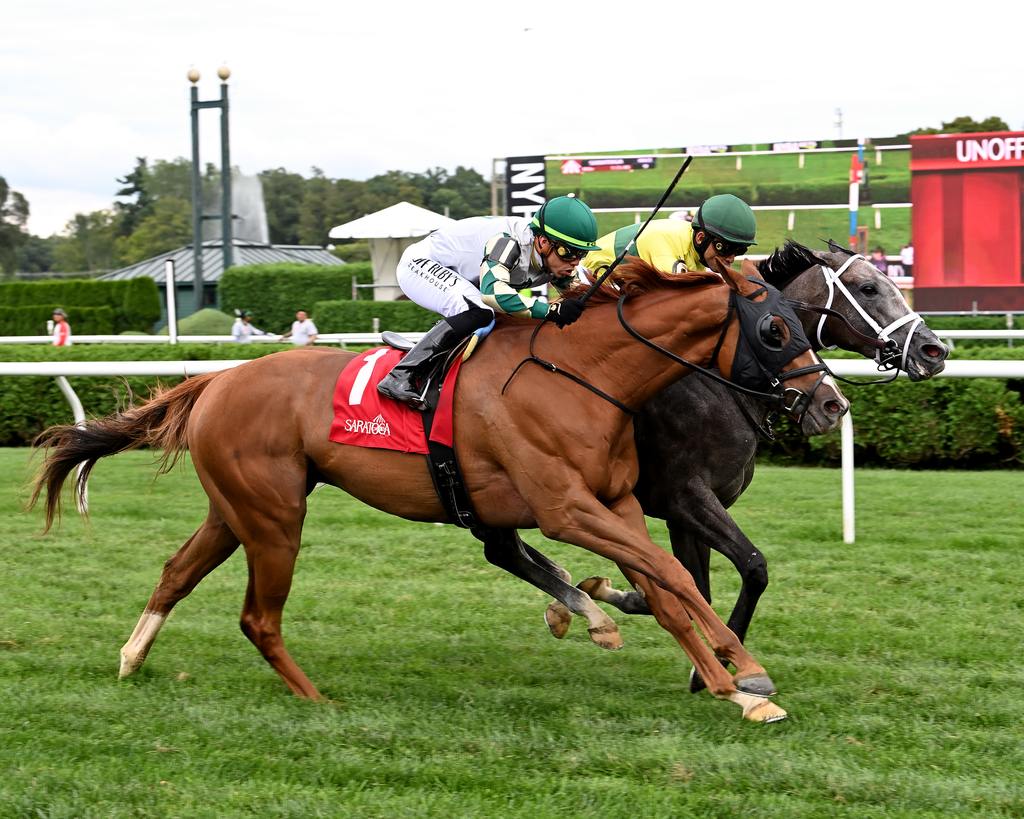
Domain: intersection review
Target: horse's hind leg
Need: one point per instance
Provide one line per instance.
(505, 549)
(211, 545)
(271, 564)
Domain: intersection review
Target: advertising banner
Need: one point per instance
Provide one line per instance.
(525, 185)
(583, 164)
(940, 152)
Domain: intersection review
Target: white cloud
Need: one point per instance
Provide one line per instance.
(52, 208)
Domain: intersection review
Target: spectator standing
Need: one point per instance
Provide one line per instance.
(61, 329)
(878, 260)
(907, 259)
(303, 330)
(242, 330)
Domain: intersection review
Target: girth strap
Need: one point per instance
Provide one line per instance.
(444, 468)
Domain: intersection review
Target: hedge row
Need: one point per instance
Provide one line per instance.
(767, 193)
(273, 292)
(133, 304)
(358, 316)
(29, 404)
(30, 320)
(946, 422)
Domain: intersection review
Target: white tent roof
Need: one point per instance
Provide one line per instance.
(401, 221)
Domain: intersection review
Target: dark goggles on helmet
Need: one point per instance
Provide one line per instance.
(567, 253)
(723, 247)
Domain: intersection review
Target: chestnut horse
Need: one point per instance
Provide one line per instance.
(258, 438)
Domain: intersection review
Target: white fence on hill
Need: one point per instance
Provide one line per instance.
(841, 366)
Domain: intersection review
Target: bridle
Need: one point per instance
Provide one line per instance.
(793, 401)
(885, 355)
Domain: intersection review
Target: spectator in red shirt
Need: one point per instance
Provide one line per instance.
(61, 329)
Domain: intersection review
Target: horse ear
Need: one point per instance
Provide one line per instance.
(737, 281)
(749, 268)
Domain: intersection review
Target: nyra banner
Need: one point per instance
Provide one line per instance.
(525, 185)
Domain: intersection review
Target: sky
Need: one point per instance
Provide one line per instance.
(357, 89)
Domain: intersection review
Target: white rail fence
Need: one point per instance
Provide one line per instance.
(344, 339)
(841, 366)
(341, 339)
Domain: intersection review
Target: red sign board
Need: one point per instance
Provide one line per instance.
(963, 152)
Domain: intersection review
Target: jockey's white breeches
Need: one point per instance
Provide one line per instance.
(432, 285)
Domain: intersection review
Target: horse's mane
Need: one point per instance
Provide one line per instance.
(635, 276)
(786, 264)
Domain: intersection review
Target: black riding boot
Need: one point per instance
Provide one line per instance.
(407, 380)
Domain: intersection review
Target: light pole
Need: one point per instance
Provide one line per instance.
(225, 214)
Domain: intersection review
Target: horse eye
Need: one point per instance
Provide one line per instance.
(869, 290)
(771, 334)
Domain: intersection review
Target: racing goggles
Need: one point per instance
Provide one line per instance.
(566, 253)
(723, 247)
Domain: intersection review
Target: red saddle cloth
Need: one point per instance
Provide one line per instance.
(364, 417)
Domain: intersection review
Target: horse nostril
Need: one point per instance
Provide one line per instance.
(833, 408)
(933, 350)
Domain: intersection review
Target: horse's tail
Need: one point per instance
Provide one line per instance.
(160, 422)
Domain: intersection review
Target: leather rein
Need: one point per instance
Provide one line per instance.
(784, 399)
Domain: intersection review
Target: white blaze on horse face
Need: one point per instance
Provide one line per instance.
(135, 650)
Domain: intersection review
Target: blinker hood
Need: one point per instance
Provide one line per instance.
(759, 358)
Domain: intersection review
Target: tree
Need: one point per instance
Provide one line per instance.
(133, 185)
(966, 125)
(36, 254)
(90, 243)
(319, 209)
(282, 195)
(167, 227)
(13, 216)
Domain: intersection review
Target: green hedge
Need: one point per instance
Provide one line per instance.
(358, 316)
(30, 320)
(273, 292)
(133, 304)
(29, 404)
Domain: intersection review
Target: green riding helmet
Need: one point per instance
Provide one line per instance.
(568, 220)
(727, 216)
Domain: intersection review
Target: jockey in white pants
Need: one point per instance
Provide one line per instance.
(476, 267)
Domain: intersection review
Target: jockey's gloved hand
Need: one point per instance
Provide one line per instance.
(565, 312)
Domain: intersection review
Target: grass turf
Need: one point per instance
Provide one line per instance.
(898, 659)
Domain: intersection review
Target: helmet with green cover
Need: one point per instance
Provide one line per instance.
(728, 217)
(568, 221)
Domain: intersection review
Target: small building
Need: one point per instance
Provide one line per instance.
(245, 253)
(389, 232)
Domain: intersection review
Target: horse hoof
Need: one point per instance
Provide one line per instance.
(758, 709)
(596, 587)
(558, 619)
(697, 683)
(606, 636)
(759, 685)
(128, 666)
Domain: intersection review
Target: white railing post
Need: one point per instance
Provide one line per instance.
(172, 304)
(849, 515)
(78, 411)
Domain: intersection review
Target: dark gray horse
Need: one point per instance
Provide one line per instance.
(692, 486)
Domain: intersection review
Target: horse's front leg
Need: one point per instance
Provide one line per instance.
(620, 534)
(504, 549)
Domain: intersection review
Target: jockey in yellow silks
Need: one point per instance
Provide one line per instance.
(723, 228)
